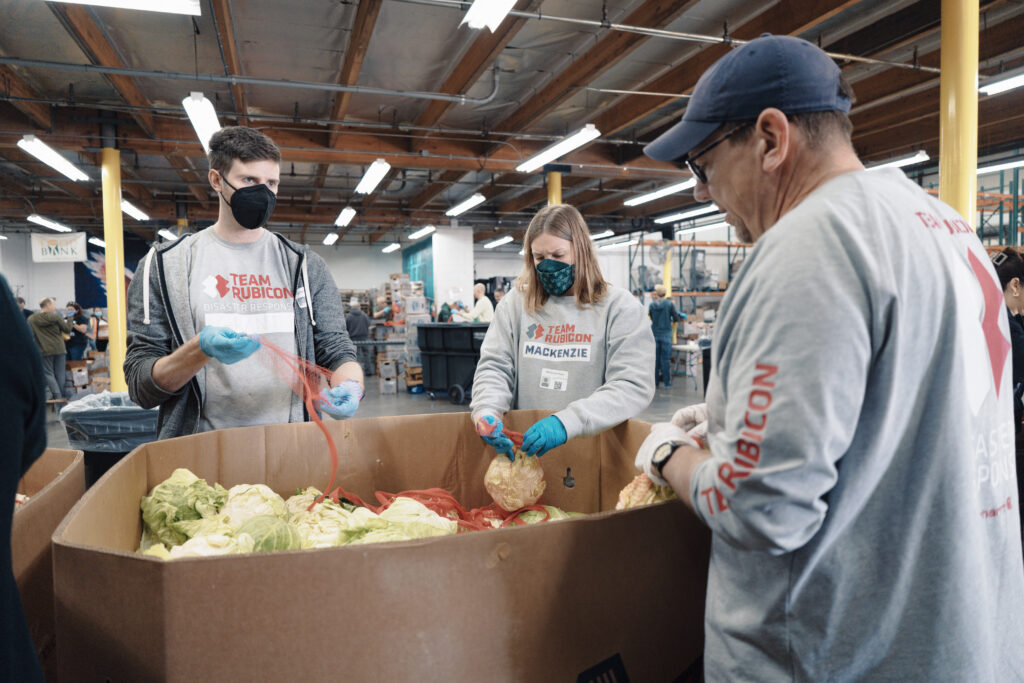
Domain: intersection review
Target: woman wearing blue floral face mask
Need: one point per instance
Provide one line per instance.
(563, 340)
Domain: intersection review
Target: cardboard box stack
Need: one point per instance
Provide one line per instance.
(550, 601)
(53, 485)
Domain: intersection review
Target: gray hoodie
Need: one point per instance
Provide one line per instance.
(594, 366)
(160, 320)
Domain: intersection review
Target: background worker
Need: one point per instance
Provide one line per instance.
(483, 309)
(79, 341)
(860, 484)
(1009, 266)
(358, 325)
(23, 426)
(205, 297)
(662, 313)
(49, 329)
(563, 340)
(24, 311)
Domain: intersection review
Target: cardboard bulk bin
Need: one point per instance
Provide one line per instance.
(54, 483)
(602, 597)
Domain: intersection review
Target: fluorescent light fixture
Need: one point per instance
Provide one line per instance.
(98, 242)
(330, 239)
(134, 211)
(498, 242)
(995, 168)
(203, 117)
(663, 192)
(169, 6)
(51, 157)
(374, 174)
(489, 13)
(47, 223)
(720, 224)
(693, 213)
(3, 237)
(1002, 85)
(422, 232)
(629, 243)
(900, 162)
(167, 234)
(345, 217)
(391, 247)
(560, 148)
(602, 235)
(466, 205)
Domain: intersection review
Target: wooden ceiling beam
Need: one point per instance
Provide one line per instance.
(12, 85)
(536, 196)
(226, 34)
(90, 37)
(606, 53)
(434, 189)
(358, 43)
(475, 61)
(786, 17)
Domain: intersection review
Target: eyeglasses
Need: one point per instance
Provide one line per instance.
(690, 159)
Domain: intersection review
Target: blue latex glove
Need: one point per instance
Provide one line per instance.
(543, 436)
(492, 432)
(343, 400)
(226, 345)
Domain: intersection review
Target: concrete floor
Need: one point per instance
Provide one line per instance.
(683, 392)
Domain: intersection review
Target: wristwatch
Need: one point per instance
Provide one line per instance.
(661, 456)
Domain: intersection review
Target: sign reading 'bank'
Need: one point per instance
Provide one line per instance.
(69, 247)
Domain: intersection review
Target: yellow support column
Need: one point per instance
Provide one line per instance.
(113, 235)
(554, 187)
(958, 101)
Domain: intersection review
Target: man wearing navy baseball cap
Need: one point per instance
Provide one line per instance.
(859, 477)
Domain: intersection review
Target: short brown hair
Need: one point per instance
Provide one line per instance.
(242, 143)
(564, 221)
(44, 302)
(1009, 265)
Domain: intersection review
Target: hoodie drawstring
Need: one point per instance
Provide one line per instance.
(145, 286)
(305, 288)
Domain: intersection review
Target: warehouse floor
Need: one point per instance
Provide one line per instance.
(683, 392)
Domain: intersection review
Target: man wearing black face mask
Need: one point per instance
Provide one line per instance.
(204, 302)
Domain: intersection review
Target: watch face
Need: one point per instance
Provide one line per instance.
(662, 453)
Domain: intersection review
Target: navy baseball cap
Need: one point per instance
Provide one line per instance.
(787, 73)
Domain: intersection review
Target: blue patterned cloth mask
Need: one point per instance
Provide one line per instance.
(556, 277)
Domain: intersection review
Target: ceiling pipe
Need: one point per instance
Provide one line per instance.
(249, 80)
(663, 33)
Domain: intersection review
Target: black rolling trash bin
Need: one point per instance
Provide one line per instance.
(106, 426)
(450, 352)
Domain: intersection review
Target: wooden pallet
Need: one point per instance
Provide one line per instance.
(413, 376)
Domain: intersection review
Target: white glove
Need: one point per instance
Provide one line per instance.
(700, 432)
(691, 416)
(662, 433)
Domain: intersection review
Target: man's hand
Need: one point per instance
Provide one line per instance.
(342, 401)
(657, 448)
(543, 436)
(226, 345)
(490, 429)
(691, 416)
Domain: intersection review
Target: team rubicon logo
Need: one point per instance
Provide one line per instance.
(535, 331)
(243, 287)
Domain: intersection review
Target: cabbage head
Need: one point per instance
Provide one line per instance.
(182, 496)
(417, 520)
(218, 524)
(516, 484)
(246, 501)
(269, 533)
(324, 526)
(535, 516)
(214, 544)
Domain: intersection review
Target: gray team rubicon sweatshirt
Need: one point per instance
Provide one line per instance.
(593, 366)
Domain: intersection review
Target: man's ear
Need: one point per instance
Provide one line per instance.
(775, 139)
(216, 182)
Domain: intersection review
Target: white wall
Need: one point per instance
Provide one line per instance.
(453, 262)
(358, 266)
(489, 264)
(33, 281)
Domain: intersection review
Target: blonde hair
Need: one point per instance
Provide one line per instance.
(565, 222)
(660, 290)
